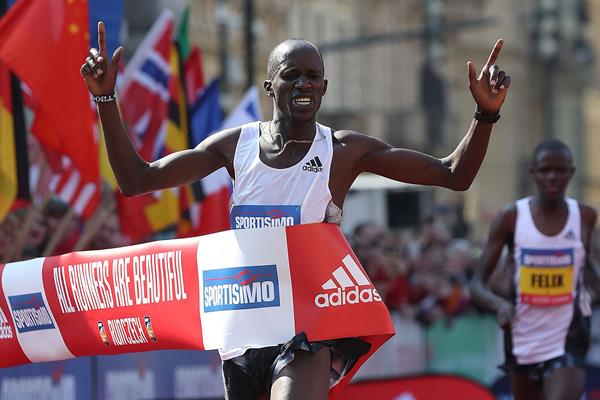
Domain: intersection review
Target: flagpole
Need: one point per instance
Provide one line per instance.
(249, 39)
(33, 212)
(101, 214)
(60, 232)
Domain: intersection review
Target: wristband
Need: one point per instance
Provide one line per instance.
(104, 98)
(486, 118)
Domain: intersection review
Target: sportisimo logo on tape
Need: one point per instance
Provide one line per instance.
(241, 288)
(30, 312)
(252, 216)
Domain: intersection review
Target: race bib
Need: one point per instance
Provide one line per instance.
(546, 277)
(251, 217)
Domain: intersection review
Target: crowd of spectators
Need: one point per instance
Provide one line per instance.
(52, 228)
(423, 272)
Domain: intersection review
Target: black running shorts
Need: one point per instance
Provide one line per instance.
(250, 376)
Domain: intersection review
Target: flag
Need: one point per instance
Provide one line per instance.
(147, 91)
(167, 212)
(144, 89)
(193, 74)
(205, 118)
(44, 43)
(8, 161)
(205, 115)
(111, 13)
(14, 167)
(177, 119)
(248, 110)
(21, 147)
(68, 185)
(182, 33)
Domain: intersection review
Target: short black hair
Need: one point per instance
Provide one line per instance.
(552, 145)
(280, 52)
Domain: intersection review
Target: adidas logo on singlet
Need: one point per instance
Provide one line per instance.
(313, 165)
(342, 290)
(570, 235)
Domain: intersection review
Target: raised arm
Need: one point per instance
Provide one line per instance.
(134, 175)
(458, 170)
(501, 233)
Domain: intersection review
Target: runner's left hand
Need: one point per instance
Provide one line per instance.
(490, 88)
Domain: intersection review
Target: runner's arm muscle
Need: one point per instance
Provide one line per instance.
(501, 233)
(456, 171)
(136, 176)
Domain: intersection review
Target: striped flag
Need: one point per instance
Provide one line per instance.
(83, 196)
(144, 89)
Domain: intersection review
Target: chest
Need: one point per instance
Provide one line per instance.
(550, 225)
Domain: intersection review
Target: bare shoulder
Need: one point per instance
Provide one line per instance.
(506, 219)
(349, 136)
(359, 142)
(221, 147)
(588, 214)
(223, 140)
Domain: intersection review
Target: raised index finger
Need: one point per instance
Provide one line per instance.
(494, 54)
(102, 39)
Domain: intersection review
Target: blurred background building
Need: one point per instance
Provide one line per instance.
(397, 70)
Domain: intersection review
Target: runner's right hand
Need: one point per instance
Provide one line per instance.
(98, 72)
(505, 314)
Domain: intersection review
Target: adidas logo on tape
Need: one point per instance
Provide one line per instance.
(313, 165)
(348, 285)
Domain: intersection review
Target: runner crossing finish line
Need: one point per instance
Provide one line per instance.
(248, 288)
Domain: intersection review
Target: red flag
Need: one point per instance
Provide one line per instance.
(84, 197)
(44, 42)
(194, 75)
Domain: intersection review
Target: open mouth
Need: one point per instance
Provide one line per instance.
(302, 101)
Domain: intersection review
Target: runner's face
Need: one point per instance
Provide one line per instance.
(552, 171)
(298, 84)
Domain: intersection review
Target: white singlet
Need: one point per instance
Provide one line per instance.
(267, 197)
(548, 275)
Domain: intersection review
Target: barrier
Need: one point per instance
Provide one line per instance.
(469, 346)
(425, 387)
(180, 374)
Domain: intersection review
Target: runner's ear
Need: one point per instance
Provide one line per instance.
(268, 86)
